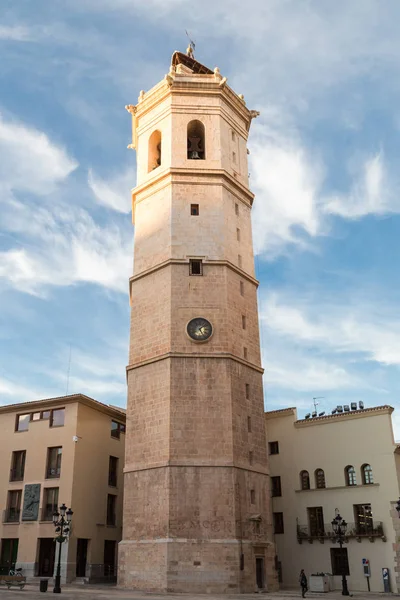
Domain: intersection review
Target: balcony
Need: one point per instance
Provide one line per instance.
(46, 513)
(53, 472)
(354, 531)
(16, 474)
(11, 515)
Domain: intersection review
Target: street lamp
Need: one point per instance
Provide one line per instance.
(62, 522)
(339, 527)
(398, 506)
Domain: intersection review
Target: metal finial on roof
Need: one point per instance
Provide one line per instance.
(192, 46)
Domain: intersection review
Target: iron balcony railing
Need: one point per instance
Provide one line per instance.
(11, 515)
(53, 472)
(354, 530)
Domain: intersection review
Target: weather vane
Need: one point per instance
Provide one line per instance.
(192, 46)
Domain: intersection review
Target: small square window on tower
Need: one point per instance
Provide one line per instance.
(194, 210)
(195, 267)
(236, 209)
(243, 322)
(253, 496)
(245, 353)
(233, 135)
(234, 157)
(249, 424)
(241, 288)
(238, 234)
(240, 260)
(247, 388)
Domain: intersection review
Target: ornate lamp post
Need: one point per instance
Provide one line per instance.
(61, 521)
(339, 527)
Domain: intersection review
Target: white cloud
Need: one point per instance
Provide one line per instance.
(115, 192)
(15, 392)
(17, 33)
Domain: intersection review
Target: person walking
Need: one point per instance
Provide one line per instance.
(303, 583)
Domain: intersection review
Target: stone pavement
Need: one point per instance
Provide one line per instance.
(104, 592)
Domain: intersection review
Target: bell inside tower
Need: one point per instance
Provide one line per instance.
(195, 141)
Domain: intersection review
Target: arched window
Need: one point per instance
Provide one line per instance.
(196, 148)
(154, 157)
(319, 479)
(367, 477)
(350, 475)
(304, 480)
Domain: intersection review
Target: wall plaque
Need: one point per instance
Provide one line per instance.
(30, 510)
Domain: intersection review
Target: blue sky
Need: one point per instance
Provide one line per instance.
(324, 165)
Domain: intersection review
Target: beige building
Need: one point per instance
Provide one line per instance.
(196, 500)
(346, 461)
(61, 450)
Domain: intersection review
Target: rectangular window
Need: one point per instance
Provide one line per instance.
(238, 234)
(316, 521)
(53, 469)
(234, 157)
(239, 260)
(36, 416)
(243, 322)
(112, 471)
(46, 414)
(194, 210)
(116, 429)
(57, 417)
(233, 135)
(278, 522)
(18, 465)
(195, 267)
(22, 422)
(13, 506)
(249, 424)
(9, 553)
(237, 209)
(245, 354)
(276, 489)
(247, 388)
(340, 561)
(111, 510)
(50, 503)
(252, 496)
(363, 519)
(251, 457)
(273, 447)
(241, 288)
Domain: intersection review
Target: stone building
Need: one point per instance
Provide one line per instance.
(61, 450)
(197, 499)
(347, 462)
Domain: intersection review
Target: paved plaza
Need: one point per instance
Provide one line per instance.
(91, 592)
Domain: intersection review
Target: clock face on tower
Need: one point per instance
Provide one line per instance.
(199, 329)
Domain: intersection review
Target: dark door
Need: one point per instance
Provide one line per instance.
(46, 557)
(109, 558)
(81, 557)
(9, 553)
(260, 572)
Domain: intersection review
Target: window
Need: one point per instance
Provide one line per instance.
(241, 288)
(13, 506)
(57, 417)
(251, 456)
(234, 157)
(54, 456)
(36, 416)
(319, 479)
(23, 422)
(249, 424)
(195, 140)
(278, 522)
(195, 267)
(116, 429)
(367, 477)
(243, 322)
(233, 135)
(276, 489)
(245, 352)
(154, 156)
(46, 414)
(252, 496)
(236, 209)
(111, 512)
(340, 561)
(17, 465)
(238, 234)
(363, 519)
(350, 473)
(239, 260)
(304, 480)
(273, 447)
(316, 521)
(194, 210)
(9, 553)
(247, 388)
(50, 503)
(112, 471)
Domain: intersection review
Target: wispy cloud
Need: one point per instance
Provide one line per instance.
(16, 33)
(114, 192)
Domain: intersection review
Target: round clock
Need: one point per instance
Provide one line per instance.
(199, 329)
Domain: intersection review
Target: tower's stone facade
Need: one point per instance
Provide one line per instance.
(197, 501)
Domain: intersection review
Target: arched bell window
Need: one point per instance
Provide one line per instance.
(154, 156)
(196, 140)
(319, 479)
(350, 474)
(367, 477)
(304, 480)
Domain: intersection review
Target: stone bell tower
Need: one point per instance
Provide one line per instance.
(196, 501)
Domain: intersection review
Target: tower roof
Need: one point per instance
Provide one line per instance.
(178, 58)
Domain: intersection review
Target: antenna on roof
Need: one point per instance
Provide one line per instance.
(69, 368)
(315, 401)
(192, 46)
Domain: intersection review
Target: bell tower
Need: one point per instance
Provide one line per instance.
(196, 501)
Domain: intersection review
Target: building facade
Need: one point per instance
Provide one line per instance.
(61, 450)
(346, 462)
(197, 500)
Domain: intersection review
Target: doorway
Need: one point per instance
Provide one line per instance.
(47, 550)
(9, 553)
(260, 573)
(81, 557)
(109, 558)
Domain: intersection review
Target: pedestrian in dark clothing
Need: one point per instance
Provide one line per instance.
(303, 583)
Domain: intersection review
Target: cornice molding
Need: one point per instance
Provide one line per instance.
(190, 355)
